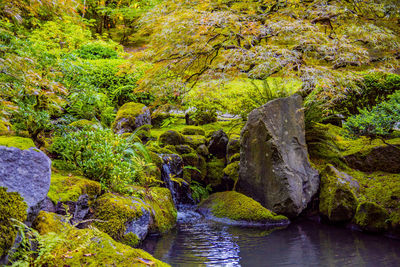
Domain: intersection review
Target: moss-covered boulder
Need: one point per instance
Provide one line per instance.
(91, 247)
(195, 140)
(16, 141)
(215, 172)
(234, 157)
(193, 130)
(233, 207)
(163, 210)
(184, 149)
(70, 187)
(47, 222)
(233, 146)
(124, 218)
(171, 137)
(24, 169)
(232, 172)
(131, 116)
(196, 167)
(12, 206)
(202, 150)
(371, 217)
(218, 144)
(338, 202)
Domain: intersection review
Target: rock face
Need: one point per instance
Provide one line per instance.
(337, 200)
(131, 116)
(381, 158)
(26, 172)
(274, 166)
(218, 142)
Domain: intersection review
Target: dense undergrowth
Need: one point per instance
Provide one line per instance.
(73, 73)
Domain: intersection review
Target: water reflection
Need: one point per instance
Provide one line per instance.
(301, 244)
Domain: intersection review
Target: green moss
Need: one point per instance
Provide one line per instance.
(238, 207)
(163, 209)
(371, 217)
(183, 149)
(215, 171)
(196, 167)
(69, 187)
(81, 124)
(338, 202)
(171, 137)
(47, 222)
(114, 212)
(232, 171)
(91, 247)
(130, 110)
(195, 140)
(16, 141)
(12, 206)
(193, 130)
(170, 148)
(235, 157)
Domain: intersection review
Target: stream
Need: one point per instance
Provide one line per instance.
(198, 242)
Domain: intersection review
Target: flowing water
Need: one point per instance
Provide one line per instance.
(197, 242)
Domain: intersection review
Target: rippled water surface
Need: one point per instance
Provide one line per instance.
(203, 243)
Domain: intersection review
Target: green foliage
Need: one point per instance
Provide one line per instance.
(96, 51)
(198, 191)
(370, 90)
(322, 43)
(168, 122)
(103, 156)
(379, 121)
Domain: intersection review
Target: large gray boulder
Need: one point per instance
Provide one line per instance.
(274, 166)
(27, 172)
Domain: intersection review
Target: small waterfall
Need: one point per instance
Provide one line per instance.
(173, 167)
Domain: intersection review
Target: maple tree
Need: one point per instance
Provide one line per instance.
(325, 44)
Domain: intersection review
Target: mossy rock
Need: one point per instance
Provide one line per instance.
(232, 171)
(184, 149)
(157, 161)
(171, 137)
(91, 247)
(195, 140)
(193, 130)
(130, 117)
(215, 172)
(47, 222)
(114, 213)
(202, 150)
(84, 124)
(16, 141)
(193, 160)
(371, 217)
(238, 207)
(163, 209)
(171, 148)
(338, 202)
(234, 157)
(12, 206)
(70, 187)
(157, 118)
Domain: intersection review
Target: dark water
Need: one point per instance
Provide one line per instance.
(305, 243)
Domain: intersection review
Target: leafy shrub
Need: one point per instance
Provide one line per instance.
(104, 156)
(372, 89)
(379, 121)
(115, 78)
(96, 51)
